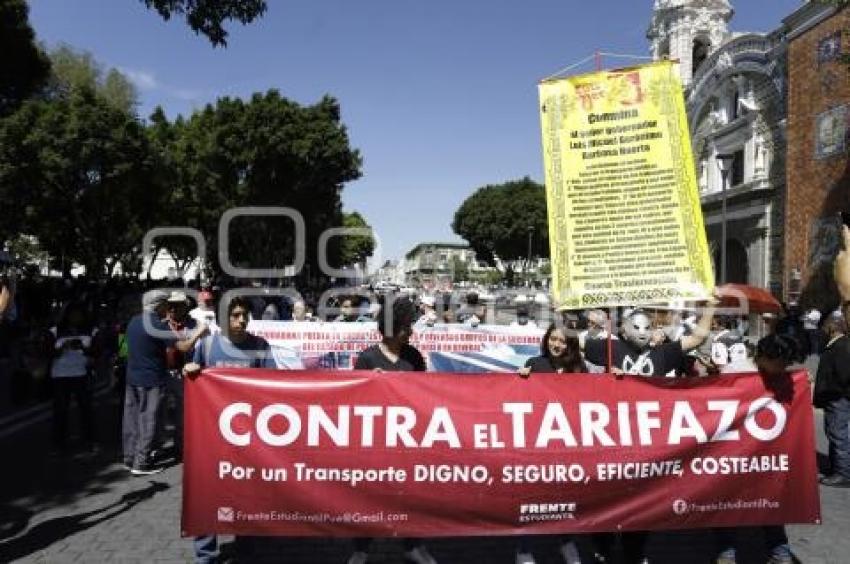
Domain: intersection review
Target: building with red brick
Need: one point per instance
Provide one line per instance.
(817, 165)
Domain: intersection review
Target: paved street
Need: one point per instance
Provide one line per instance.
(90, 510)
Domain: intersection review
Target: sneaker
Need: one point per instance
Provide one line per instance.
(358, 557)
(780, 560)
(419, 555)
(525, 558)
(725, 560)
(569, 552)
(145, 470)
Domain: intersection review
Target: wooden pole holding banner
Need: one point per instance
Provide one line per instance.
(610, 329)
(597, 57)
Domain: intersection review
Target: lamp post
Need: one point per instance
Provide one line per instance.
(528, 267)
(724, 163)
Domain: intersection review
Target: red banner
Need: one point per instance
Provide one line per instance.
(416, 454)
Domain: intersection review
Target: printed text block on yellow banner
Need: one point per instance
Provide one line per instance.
(625, 223)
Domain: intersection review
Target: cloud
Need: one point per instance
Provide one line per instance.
(142, 79)
(147, 81)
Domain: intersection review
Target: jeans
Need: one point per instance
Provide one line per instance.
(141, 407)
(777, 541)
(206, 549)
(171, 411)
(836, 418)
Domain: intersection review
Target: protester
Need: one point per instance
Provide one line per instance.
(204, 313)
(811, 321)
(350, 310)
(472, 312)
(234, 347)
(147, 375)
(427, 311)
(774, 354)
(179, 321)
(70, 371)
(299, 311)
(559, 354)
(393, 354)
(632, 354)
(8, 284)
(523, 319)
(723, 340)
(832, 393)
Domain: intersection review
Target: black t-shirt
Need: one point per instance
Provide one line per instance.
(543, 364)
(656, 361)
(409, 360)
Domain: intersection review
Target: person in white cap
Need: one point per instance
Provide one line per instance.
(428, 312)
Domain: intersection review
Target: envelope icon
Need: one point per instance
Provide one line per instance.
(225, 514)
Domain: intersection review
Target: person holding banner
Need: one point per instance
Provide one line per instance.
(774, 354)
(633, 354)
(233, 347)
(559, 354)
(393, 354)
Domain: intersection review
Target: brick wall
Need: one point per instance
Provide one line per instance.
(817, 188)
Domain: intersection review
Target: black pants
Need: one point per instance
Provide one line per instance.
(633, 545)
(63, 389)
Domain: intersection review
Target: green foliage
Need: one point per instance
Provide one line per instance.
(78, 170)
(460, 271)
(74, 70)
(207, 17)
(23, 66)
(496, 220)
(268, 151)
(356, 248)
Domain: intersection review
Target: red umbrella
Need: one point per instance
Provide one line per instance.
(749, 299)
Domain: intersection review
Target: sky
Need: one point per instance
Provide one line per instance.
(439, 96)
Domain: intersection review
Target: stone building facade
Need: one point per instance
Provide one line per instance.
(735, 93)
(818, 169)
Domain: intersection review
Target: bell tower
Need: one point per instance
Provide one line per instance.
(688, 31)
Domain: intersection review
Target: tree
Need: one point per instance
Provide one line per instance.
(498, 220)
(74, 70)
(268, 151)
(207, 17)
(460, 271)
(79, 172)
(356, 248)
(23, 66)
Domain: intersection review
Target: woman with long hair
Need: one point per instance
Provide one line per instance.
(560, 353)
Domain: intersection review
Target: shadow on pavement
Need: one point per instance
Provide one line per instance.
(44, 534)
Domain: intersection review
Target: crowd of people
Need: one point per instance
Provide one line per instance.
(148, 354)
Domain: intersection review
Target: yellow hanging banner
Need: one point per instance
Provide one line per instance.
(625, 223)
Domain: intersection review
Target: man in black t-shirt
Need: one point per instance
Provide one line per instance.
(394, 354)
(632, 353)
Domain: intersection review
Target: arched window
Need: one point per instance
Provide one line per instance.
(699, 53)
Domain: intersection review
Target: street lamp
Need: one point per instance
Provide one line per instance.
(724, 163)
(530, 235)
